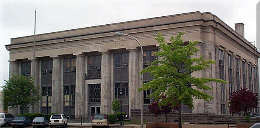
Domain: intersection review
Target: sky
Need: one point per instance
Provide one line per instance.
(17, 16)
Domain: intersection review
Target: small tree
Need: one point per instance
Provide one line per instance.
(244, 101)
(158, 110)
(20, 91)
(115, 105)
(172, 74)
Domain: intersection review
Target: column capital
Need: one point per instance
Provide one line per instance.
(133, 50)
(80, 55)
(105, 52)
(11, 60)
(55, 56)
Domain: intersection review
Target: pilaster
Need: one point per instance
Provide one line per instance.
(106, 83)
(35, 77)
(134, 95)
(56, 86)
(80, 86)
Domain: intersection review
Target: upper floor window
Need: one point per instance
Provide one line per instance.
(69, 64)
(149, 57)
(255, 79)
(120, 60)
(250, 77)
(221, 73)
(221, 64)
(26, 68)
(237, 73)
(244, 72)
(230, 77)
(94, 67)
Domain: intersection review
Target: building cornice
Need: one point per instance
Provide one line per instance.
(137, 26)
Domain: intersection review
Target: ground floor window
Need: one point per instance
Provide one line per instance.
(147, 100)
(94, 110)
(223, 109)
(46, 92)
(121, 90)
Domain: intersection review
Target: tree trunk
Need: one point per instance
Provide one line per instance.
(21, 110)
(180, 124)
(166, 117)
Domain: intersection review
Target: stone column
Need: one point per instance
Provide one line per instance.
(106, 83)
(13, 69)
(56, 86)
(134, 95)
(35, 76)
(80, 87)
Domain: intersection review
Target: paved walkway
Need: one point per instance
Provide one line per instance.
(110, 125)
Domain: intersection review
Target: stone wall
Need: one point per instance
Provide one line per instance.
(191, 118)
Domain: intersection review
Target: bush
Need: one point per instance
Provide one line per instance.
(118, 115)
(48, 116)
(32, 115)
(111, 118)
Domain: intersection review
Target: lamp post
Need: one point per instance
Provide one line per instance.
(47, 103)
(142, 52)
(121, 102)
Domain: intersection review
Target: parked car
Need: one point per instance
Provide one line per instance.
(256, 125)
(40, 122)
(21, 121)
(6, 119)
(99, 120)
(58, 120)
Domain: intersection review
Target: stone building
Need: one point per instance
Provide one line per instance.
(84, 69)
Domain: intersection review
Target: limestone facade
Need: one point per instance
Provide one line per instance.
(73, 54)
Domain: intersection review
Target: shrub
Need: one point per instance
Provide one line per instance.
(111, 118)
(118, 115)
(32, 115)
(116, 105)
(48, 116)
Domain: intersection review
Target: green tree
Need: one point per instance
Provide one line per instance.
(115, 105)
(172, 74)
(20, 91)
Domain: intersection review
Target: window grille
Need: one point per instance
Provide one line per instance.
(26, 69)
(95, 93)
(94, 67)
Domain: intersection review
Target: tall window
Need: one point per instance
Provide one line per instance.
(148, 58)
(250, 77)
(69, 82)
(255, 79)
(121, 79)
(46, 83)
(237, 74)
(94, 67)
(244, 72)
(230, 77)
(221, 73)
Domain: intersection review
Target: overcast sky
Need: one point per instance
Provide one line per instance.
(17, 16)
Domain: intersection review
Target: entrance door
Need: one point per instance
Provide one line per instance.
(95, 110)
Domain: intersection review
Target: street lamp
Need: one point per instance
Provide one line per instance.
(47, 103)
(142, 52)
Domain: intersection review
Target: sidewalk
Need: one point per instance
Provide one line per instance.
(110, 125)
